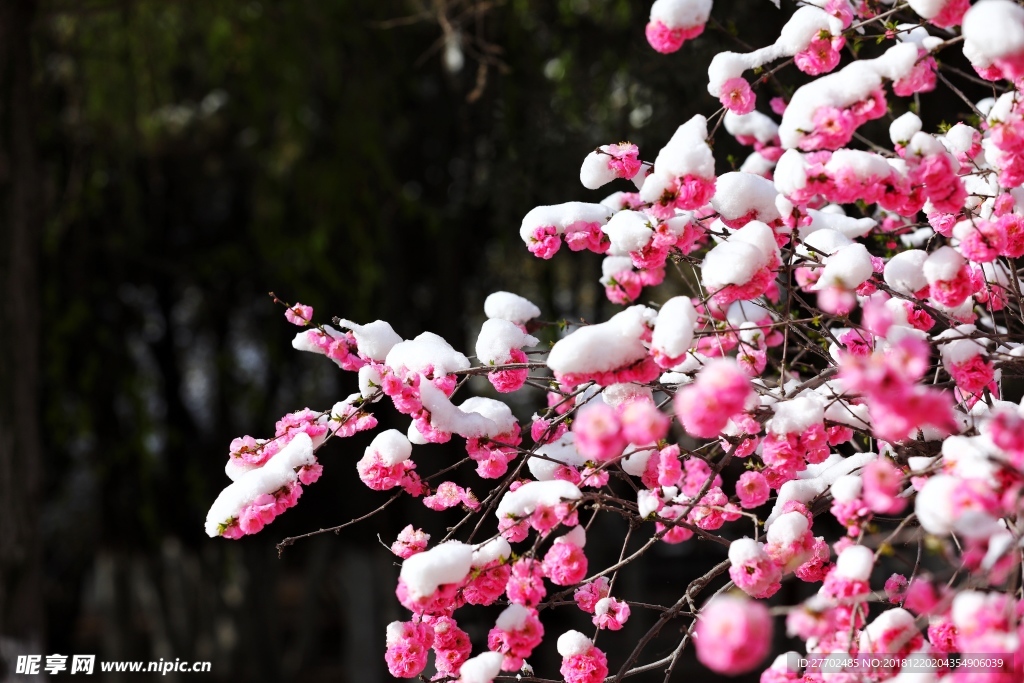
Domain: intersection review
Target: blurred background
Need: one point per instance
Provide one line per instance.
(166, 163)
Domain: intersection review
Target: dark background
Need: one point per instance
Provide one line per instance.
(163, 165)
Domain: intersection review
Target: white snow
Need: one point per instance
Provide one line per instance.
(943, 264)
(561, 216)
(796, 35)
(613, 265)
(848, 268)
(687, 153)
(628, 231)
(276, 473)
(737, 259)
(851, 84)
(815, 480)
(603, 346)
(757, 164)
(511, 307)
(927, 9)
(790, 172)
(737, 194)
(992, 30)
(595, 171)
(846, 488)
(788, 528)
(562, 450)
(673, 330)
(469, 422)
(932, 505)
(744, 550)
(369, 381)
(959, 349)
(513, 617)
(497, 338)
(830, 220)
(534, 494)
(960, 138)
(905, 271)
(577, 536)
(796, 416)
(448, 562)
(904, 128)
(481, 669)
(426, 350)
(881, 629)
(495, 549)
(856, 563)
(374, 340)
(573, 643)
(681, 13)
(822, 242)
(647, 501)
(392, 446)
(755, 124)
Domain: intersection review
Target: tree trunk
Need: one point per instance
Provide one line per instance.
(21, 605)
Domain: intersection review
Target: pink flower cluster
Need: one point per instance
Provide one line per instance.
(888, 379)
(720, 391)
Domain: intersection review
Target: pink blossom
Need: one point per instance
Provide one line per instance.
(257, 514)
(921, 78)
(544, 242)
(984, 241)
(816, 568)
(409, 542)
(582, 235)
(514, 530)
(487, 584)
(670, 470)
(667, 39)
(599, 433)
(833, 128)
(733, 634)
(252, 451)
(451, 646)
(896, 588)
(526, 583)
(951, 14)
(882, 485)
(448, 495)
(752, 490)
(624, 159)
(585, 667)
(623, 287)
(642, 422)
(696, 475)
(310, 473)
(588, 594)
(719, 392)
(673, 533)
(752, 570)
(517, 644)
(972, 375)
(610, 614)
(407, 645)
(565, 564)
(512, 379)
(378, 475)
(821, 56)
(737, 96)
(299, 314)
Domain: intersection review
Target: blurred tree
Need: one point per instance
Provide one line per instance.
(21, 613)
(371, 159)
